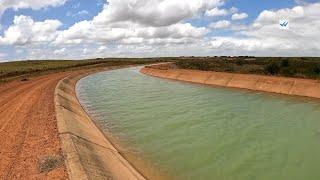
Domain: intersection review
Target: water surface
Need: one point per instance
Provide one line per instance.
(190, 131)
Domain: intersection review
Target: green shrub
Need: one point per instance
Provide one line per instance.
(272, 68)
(301, 67)
(239, 62)
(285, 63)
(287, 71)
(316, 69)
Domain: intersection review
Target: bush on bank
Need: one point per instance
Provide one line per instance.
(301, 67)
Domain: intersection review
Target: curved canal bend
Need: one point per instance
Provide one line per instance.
(190, 131)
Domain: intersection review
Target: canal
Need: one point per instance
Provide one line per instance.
(190, 131)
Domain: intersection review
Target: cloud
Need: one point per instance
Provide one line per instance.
(301, 2)
(60, 51)
(25, 31)
(220, 24)
(239, 16)
(82, 13)
(85, 51)
(153, 12)
(89, 32)
(78, 14)
(102, 49)
(129, 31)
(268, 17)
(216, 12)
(19, 51)
(126, 30)
(33, 4)
(265, 36)
(3, 55)
(233, 10)
(140, 21)
(230, 43)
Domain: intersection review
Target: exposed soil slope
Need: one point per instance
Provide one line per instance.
(28, 129)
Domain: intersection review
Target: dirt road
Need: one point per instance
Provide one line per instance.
(28, 130)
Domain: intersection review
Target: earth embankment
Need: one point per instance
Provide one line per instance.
(281, 85)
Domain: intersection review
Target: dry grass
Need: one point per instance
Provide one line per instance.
(49, 163)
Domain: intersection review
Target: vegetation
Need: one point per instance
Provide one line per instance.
(301, 67)
(48, 163)
(23, 69)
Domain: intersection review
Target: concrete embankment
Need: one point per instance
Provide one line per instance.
(88, 153)
(281, 85)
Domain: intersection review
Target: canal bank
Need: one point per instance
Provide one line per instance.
(280, 85)
(87, 151)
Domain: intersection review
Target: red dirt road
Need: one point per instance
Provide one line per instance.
(28, 128)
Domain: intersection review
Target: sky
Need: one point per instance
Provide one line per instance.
(80, 29)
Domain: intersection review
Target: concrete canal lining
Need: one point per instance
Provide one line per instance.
(87, 151)
(280, 85)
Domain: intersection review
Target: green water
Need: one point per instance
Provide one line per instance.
(190, 131)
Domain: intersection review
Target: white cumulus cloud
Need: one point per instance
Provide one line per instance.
(163, 28)
(137, 21)
(216, 12)
(220, 24)
(33, 4)
(239, 16)
(153, 12)
(265, 36)
(24, 31)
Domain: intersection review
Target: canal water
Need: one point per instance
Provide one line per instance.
(190, 131)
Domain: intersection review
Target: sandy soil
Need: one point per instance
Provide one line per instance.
(28, 128)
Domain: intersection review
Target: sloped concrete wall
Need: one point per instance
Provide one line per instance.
(88, 153)
(281, 85)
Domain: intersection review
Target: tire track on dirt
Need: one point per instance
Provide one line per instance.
(28, 128)
(19, 146)
(8, 94)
